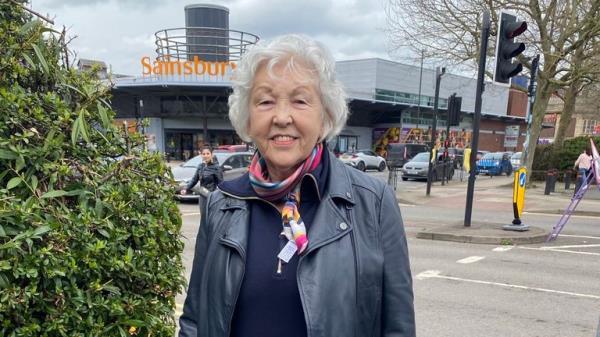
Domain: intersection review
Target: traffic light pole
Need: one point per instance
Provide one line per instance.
(485, 34)
(438, 77)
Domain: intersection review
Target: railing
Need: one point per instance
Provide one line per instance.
(208, 43)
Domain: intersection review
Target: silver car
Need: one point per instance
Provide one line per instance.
(363, 160)
(234, 164)
(515, 160)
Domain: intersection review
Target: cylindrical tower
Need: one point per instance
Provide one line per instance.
(207, 32)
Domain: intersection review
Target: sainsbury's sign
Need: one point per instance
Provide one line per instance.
(195, 67)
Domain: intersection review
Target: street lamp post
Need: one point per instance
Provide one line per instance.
(439, 72)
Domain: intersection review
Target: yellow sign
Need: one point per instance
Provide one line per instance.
(433, 156)
(519, 191)
(467, 160)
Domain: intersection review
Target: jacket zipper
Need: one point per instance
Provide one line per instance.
(239, 285)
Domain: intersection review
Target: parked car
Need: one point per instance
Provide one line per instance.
(363, 160)
(481, 153)
(234, 164)
(456, 155)
(400, 153)
(494, 164)
(515, 160)
(418, 167)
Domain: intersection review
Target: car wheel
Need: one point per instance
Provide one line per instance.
(404, 179)
(381, 167)
(361, 166)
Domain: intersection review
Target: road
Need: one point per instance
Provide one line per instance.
(470, 290)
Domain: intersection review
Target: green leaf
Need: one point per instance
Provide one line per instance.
(104, 233)
(2, 232)
(82, 126)
(29, 61)
(40, 56)
(75, 132)
(103, 116)
(135, 322)
(24, 30)
(54, 194)
(3, 281)
(6, 154)
(41, 230)
(20, 163)
(14, 182)
(34, 182)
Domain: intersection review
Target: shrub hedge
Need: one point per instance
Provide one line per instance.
(548, 157)
(89, 231)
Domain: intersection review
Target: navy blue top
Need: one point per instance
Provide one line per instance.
(269, 303)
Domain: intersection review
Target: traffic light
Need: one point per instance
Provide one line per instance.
(454, 107)
(507, 49)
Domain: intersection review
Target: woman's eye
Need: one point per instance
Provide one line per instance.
(265, 102)
(300, 101)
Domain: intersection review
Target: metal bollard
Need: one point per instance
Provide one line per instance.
(567, 178)
(547, 187)
(553, 180)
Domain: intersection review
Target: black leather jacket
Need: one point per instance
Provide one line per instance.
(209, 176)
(354, 278)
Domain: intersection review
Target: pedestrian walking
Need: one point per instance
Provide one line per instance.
(584, 163)
(209, 174)
(302, 245)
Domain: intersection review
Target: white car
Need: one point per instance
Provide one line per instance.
(363, 160)
(515, 160)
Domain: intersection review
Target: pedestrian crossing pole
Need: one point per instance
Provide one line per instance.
(485, 34)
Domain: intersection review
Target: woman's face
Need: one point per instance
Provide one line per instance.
(206, 155)
(285, 117)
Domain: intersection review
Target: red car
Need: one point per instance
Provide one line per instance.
(233, 148)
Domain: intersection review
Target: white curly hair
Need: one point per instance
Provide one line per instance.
(292, 49)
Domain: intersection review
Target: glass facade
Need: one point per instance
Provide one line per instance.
(406, 98)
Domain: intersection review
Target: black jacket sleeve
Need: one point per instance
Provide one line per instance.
(195, 178)
(188, 322)
(398, 314)
(218, 175)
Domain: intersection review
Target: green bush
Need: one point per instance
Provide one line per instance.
(548, 157)
(89, 232)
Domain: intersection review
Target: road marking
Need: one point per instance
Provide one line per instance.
(190, 214)
(503, 248)
(580, 236)
(556, 214)
(548, 249)
(406, 205)
(470, 259)
(437, 274)
(570, 246)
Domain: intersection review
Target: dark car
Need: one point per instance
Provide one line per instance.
(494, 164)
(455, 155)
(234, 164)
(400, 153)
(418, 167)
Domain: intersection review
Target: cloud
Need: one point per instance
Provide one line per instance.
(120, 32)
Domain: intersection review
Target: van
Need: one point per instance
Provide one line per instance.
(400, 153)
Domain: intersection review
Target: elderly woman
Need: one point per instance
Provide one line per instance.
(302, 245)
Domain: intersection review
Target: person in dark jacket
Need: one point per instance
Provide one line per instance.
(208, 173)
(302, 245)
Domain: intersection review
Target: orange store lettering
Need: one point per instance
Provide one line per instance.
(177, 67)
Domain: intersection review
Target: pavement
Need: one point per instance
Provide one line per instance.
(493, 194)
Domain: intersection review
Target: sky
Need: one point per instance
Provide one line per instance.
(121, 32)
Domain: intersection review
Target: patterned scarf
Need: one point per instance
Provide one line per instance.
(287, 190)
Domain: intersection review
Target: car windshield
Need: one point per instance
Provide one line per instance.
(492, 156)
(422, 157)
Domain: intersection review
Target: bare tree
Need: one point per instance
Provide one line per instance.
(448, 30)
